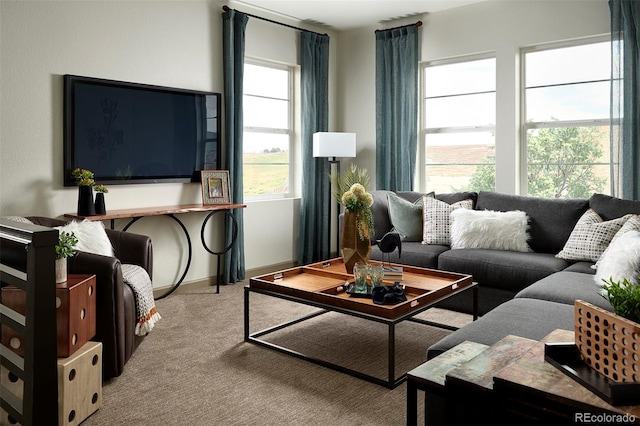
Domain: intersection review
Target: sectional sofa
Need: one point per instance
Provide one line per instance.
(527, 293)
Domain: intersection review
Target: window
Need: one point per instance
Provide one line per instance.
(458, 120)
(268, 112)
(566, 116)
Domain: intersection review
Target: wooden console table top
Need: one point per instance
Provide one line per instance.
(157, 211)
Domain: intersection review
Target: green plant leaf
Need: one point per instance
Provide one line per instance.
(624, 298)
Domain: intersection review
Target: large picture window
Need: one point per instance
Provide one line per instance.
(458, 122)
(268, 116)
(566, 116)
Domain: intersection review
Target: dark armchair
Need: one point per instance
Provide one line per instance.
(115, 303)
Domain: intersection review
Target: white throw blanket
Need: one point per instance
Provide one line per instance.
(147, 314)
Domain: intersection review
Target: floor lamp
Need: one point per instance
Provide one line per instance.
(334, 145)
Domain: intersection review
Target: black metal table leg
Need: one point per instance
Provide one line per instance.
(391, 345)
(246, 314)
(412, 403)
(475, 303)
(219, 253)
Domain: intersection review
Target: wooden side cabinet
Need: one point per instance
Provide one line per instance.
(75, 314)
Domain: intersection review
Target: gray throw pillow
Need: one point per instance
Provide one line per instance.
(406, 217)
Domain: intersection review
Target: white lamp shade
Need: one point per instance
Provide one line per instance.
(334, 144)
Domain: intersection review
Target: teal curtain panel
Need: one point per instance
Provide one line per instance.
(396, 107)
(234, 24)
(625, 98)
(314, 238)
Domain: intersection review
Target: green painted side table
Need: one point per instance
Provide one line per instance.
(430, 378)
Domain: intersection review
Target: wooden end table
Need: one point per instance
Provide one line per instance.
(531, 390)
(469, 387)
(430, 378)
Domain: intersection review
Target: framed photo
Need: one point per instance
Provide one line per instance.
(215, 187)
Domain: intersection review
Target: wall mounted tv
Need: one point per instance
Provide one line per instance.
(129, 133)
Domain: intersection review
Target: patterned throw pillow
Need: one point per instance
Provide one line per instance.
(436, 219)
(590, 237)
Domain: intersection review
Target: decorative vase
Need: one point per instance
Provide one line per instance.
(85, 201)
(353, 249)
(100, 207)
(61, 270)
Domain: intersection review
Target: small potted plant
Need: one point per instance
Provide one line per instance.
(85, 181)
(65, 248)
(607, 341)
(83, 176)
(100, 205)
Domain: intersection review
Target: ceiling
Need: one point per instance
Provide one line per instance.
(349, 14)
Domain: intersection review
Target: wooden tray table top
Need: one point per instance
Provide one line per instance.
(324, 282)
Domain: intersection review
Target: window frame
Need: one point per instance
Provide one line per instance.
(525, 127)
(291, 115)
(424, 130)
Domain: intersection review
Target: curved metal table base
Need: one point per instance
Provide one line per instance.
(190, 248)
(187, 266)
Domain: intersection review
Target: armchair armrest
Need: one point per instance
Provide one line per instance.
(134, 249)
(110, 323)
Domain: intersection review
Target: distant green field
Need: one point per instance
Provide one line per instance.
(262, 176)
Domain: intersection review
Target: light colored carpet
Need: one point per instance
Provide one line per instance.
(194, 368)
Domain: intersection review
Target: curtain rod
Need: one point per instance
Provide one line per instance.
(417, 24)
(227, 8)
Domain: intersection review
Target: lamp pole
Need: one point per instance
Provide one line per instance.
(332, 161)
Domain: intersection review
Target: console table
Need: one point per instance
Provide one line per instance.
(171, 211)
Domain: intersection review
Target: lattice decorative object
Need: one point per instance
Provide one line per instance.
(608, 343)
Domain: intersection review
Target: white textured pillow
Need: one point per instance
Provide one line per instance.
(436, 219)
(91, 235)
(590, 237)
(621, 260)
(489, 230)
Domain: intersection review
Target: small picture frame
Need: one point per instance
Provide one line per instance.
(215, 187)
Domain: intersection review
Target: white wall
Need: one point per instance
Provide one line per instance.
(502, 27)
(179, 44)
(176, 44)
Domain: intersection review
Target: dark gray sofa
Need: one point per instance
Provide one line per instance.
(523, 293)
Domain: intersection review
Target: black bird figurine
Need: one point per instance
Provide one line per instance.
(388, 243)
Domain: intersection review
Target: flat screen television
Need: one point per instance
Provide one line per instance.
(130, 133)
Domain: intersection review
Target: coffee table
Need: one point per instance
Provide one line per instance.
(322, 285)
